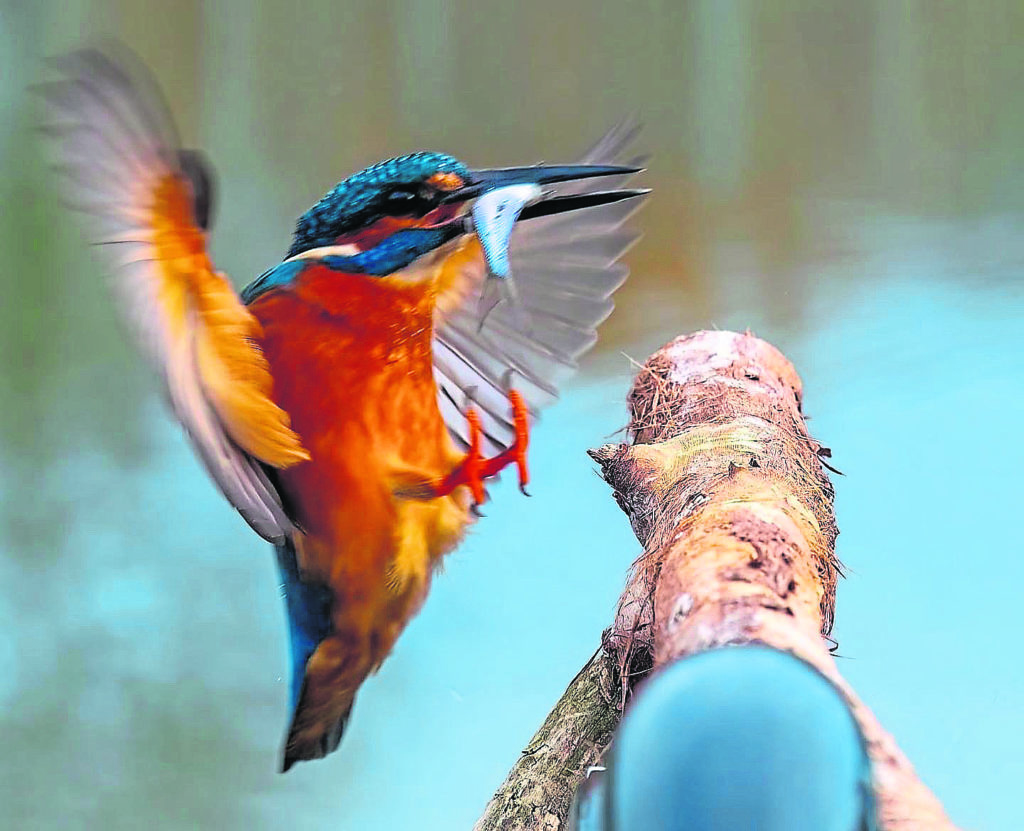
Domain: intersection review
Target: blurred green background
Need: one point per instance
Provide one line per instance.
(843, 178)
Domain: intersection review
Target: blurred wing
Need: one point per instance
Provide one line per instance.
(565, 269)
(120, 165)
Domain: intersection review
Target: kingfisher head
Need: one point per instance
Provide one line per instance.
(382, 219)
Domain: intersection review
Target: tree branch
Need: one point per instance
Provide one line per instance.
(726, 490)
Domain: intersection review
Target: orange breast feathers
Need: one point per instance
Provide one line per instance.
(351, 357)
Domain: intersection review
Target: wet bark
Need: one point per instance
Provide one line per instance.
(729, 495)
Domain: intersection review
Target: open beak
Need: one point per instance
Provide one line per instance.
(505, 195)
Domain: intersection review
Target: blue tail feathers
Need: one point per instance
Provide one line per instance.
(309, 614)
(309, 622)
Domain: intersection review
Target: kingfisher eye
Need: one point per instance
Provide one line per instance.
(408, 203)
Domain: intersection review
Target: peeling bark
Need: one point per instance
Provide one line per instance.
(726, 490)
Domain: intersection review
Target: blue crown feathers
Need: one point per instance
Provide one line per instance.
(359, 200)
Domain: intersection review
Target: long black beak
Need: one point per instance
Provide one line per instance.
(574, 202)
(482, 181)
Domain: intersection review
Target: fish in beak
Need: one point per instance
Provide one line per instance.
(505, 196)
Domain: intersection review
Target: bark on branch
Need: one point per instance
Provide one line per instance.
(726, 491)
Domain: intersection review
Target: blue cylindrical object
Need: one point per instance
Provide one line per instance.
(735, 739)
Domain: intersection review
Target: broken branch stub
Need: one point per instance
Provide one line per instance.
(723, 470)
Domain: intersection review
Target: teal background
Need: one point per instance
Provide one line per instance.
(842, 178)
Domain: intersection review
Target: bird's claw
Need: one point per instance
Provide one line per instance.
(474, 468)
(520, 416)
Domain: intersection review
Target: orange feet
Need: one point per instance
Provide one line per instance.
(474, 468)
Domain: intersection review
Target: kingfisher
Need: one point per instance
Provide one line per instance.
(351, 402)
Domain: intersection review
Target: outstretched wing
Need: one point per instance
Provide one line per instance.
(120, 164)
(566, 268)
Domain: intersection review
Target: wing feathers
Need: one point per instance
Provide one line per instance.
(566, 269)
(119, 163)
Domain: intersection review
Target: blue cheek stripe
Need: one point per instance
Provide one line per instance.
(396, 252)
(393, 254)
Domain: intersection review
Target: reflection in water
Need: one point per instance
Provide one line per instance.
(843, 178)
